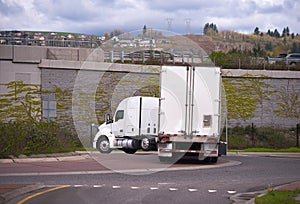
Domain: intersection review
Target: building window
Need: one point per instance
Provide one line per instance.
(49, 106)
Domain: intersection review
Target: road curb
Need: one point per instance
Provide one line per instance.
(19, 191)
(81, 155)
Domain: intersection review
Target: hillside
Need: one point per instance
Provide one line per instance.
(228, 40)
(223, 41)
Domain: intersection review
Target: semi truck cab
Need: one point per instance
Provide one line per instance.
(133, 127)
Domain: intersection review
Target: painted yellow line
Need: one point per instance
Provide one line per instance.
(40, 193)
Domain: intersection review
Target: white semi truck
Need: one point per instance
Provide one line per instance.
(134, 126)
(185, 120)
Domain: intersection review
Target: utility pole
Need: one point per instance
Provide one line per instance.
(169, 22)
(188, 25)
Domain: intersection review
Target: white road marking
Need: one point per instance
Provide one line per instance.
(98, 186)
(116, 187)
(135, 187)
(78, 186)
(173, 189)
(193, 190)
(231, 192)
(153, 188)
(212, 191)
(165, 183)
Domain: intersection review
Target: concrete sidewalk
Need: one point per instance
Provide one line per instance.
(70, 156)
(267, 154)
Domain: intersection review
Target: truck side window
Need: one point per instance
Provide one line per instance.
(119, 115)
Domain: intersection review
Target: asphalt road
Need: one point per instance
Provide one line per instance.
(213, 185)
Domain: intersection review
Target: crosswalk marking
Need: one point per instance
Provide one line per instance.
(135, 187)
(152, 188)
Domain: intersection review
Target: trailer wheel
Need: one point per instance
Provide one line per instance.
(103, 145)
(129, 151)
(211, 160)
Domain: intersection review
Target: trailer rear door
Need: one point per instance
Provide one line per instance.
(190, 100)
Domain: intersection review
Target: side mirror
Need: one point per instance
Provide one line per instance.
(107, 119)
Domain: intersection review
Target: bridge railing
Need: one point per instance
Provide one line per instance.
(154, 57)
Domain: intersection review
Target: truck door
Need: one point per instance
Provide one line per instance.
(118, 124)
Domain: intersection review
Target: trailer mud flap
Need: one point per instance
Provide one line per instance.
(222, 148)
(201, 156)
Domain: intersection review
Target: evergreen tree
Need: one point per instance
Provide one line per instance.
(287, 31)
(293, 35)
(256, 31)
(210, 28)
(144, 29)
(283, 33)
(276, 33)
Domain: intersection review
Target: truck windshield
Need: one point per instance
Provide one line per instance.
(119, 115)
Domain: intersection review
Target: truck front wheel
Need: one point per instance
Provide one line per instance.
(103, 145)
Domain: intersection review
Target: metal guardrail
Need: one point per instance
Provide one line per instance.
(147, 57)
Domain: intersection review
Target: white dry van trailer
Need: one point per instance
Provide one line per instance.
(185, 120)
(190, 113)
(134, 126)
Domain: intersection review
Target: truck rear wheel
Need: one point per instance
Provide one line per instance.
(211, 160)
(146, 144)
(103, 145)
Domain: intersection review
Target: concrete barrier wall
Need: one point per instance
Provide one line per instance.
(26, 54)
(6, 52)
(34, 54)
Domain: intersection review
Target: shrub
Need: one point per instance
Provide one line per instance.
(35, 138)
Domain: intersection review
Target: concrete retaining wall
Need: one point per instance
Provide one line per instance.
(51, 67)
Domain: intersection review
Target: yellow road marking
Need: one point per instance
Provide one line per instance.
(40, 193)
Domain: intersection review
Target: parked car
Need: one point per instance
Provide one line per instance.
(279, 59)
(292, 59)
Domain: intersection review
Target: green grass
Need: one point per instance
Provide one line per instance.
(293, 149)
(278, 197)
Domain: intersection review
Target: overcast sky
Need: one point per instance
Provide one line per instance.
(98, 16)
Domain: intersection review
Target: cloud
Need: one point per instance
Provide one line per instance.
(98, 16)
